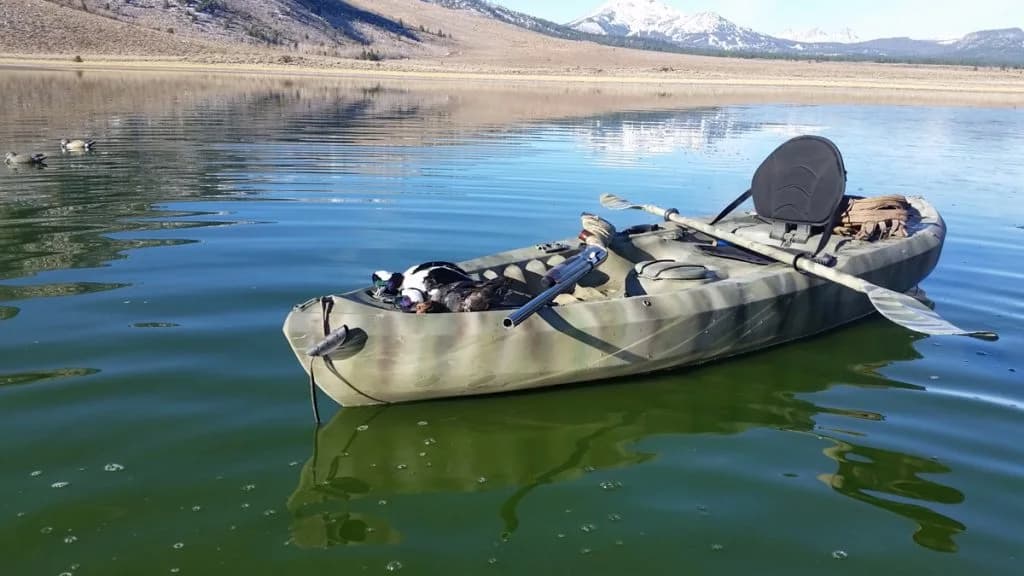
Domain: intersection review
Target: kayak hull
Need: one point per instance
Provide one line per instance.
(614, 330)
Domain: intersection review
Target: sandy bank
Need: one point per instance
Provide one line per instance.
(771, 80)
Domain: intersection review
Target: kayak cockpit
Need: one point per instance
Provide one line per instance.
(655, 259)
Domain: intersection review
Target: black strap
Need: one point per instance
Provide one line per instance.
(326, 305)
(743, 198)
(826, 233)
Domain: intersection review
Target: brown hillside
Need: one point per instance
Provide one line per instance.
(326, 28)
(43, 27)
(418, 37)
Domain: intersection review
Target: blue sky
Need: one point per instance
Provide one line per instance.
(938, 19)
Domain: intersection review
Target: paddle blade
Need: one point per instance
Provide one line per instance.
(913, 315)
(613, 202)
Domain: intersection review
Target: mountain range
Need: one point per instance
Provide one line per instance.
(709, 31)
(471, 30)
(652, 24)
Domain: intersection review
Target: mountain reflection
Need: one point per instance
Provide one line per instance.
(624, 135)
(521, 442)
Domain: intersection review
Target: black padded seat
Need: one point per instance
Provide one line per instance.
(798, 189)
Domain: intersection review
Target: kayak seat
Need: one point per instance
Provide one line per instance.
(798, 189)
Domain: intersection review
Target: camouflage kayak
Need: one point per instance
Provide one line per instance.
(664, 297)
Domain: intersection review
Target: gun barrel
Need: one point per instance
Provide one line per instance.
(589, 259)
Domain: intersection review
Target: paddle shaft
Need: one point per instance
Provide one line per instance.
(798, 261)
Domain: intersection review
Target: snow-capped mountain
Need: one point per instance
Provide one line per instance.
(624, 17)
(656, 20)
(654, 25)
(707, 31)
(817, 36)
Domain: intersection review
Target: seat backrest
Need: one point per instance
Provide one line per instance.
(801, 182)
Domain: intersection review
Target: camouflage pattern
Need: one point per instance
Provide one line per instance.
(615, 329)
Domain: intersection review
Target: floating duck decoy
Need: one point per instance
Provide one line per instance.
(14, 158)
(76, 145)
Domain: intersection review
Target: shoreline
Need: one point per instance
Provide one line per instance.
(860, 83)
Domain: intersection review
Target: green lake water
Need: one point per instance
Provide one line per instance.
(154, 420)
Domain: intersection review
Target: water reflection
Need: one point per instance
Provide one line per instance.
(170, 137)
(891, 480)
(624, 135)
(177, 137)
(33, 377)
(321, 516)
(33, 166)
(522, 442)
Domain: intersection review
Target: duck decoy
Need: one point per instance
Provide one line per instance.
(14, 158)
(76, 145)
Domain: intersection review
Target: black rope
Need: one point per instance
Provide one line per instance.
(312, 394)
(330, 365)
(326, 304)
